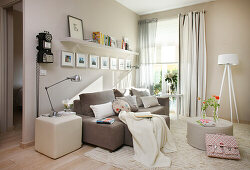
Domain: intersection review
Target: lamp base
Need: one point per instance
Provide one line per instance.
(55, 114)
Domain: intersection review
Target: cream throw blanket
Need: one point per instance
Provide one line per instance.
(151, 139)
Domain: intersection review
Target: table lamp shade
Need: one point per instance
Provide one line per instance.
(231, 59)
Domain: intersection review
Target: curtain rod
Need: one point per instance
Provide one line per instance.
(203, 11)
(148, 20)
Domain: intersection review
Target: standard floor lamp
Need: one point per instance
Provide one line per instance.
(228, 60)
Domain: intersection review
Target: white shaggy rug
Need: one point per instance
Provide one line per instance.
(186, 157)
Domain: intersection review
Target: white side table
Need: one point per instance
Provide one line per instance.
(57, 136)
(178, 100)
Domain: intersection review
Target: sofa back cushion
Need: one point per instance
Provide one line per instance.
(96, 98)
(139, 93)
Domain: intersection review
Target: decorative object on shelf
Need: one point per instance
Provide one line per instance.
(121, 64)
(213, 102)
(93, 61)
(81, 60)
(113, 42)
(113, 63)
(128, 64)
(75, 78)
(228, 60)
(172, 78)
(68, 59)
(67, 105)
(75, 27)
(125, 45)
(105, 63)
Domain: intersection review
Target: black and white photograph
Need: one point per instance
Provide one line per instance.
(75, 27)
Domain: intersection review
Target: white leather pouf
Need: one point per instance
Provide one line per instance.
(57, 136)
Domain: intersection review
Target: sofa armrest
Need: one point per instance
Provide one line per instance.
(164, 101)
(77, 106)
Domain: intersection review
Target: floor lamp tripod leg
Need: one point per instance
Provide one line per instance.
(222, 83)
(229, 88)
(235, 105)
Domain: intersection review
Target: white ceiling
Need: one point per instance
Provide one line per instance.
(142, 7)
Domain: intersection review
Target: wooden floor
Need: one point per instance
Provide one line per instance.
(12, 156)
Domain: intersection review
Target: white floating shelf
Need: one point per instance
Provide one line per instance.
(96, 45)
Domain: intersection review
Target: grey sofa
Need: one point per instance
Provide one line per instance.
(112, 136)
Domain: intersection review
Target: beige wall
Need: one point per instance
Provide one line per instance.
(106, 16)
(227, 31)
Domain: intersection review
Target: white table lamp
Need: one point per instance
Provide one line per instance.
(228, 60)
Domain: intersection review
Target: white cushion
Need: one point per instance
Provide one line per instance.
(102, 110)
(149, 101)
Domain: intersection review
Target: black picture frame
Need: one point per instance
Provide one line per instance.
(70, 31)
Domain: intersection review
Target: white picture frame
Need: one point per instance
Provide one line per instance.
(121, 64)
(67, 59)
(128, 64)
(81, 60)
(93, 61)
(113, 63)
(105, 63)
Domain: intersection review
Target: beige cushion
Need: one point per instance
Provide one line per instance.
(131, 100)
(102, 110)
(57, 136)
(140, 93)
(149, 101)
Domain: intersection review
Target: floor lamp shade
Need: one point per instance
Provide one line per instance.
(231, 59)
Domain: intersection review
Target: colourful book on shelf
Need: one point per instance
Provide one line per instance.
(106, 121)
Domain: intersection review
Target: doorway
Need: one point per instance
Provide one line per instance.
(11, 87)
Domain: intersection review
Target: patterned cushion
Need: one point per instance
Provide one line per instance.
(120, 105)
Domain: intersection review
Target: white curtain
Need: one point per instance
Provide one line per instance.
(192, 61)
(147, 37)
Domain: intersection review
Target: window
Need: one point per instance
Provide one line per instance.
(167, 56)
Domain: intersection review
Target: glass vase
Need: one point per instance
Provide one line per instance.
(215, 116)
(203, 114)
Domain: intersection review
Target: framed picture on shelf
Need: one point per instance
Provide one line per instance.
(113, 63)
(128, 64)
(68, 59)
(104, 62)
(75, 27)
(93, 61)
(81, 60)
(121, 64)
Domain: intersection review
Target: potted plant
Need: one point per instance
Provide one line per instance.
(213, 102)
(172, 78)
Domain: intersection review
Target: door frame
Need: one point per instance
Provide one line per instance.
(6, 72)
